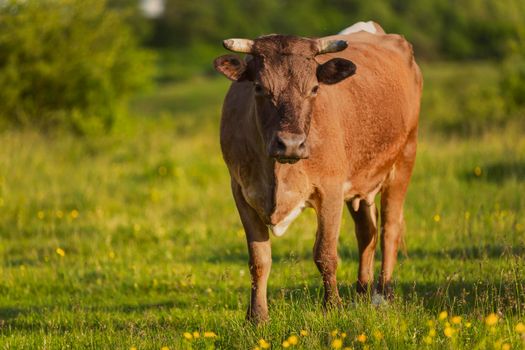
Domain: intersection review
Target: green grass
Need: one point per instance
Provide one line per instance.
(157, 248)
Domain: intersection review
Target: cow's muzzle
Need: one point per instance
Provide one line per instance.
(286, 147)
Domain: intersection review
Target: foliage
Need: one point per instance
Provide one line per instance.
(463, 29)
(513, 72)
(463, 99)
(133, 240)
(67, 63)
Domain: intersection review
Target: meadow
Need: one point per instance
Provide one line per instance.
(132, 241)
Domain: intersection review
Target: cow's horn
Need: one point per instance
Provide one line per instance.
(327, 46)
(238, 45)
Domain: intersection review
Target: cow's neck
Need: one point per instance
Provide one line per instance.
(285, 186)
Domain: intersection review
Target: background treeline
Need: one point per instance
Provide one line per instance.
(73, 64)
(464, 29)
(458, 30)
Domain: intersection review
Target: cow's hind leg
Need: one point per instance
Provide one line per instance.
(260, 261)
(365, 219)
(392, 220)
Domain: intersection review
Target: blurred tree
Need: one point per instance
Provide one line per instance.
(463, 29)
(67, 63)
(513, 72)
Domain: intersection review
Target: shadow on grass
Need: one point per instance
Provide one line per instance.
(498, 172)
(464, 296)
(349, 253)
(464, 253)
(8, 313)
(474, 297)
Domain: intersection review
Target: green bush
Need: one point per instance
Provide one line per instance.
(513, 81)
(67, 64)
(513, 72)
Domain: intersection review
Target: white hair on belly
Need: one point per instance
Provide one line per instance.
(358, 27)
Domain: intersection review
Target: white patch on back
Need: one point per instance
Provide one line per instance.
(358, 27)
(280, 228)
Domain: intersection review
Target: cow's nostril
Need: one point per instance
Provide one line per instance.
(280, 145)
(302, 146)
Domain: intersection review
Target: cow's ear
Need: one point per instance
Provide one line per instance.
(232, 67)
(335, 70)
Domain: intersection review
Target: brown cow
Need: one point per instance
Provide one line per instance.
(317, 123)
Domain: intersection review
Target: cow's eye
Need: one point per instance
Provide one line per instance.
(314, 91)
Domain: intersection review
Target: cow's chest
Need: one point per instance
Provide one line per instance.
(278, 196)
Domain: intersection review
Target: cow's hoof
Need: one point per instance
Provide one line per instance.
(333, 303)
(257, 318)
(363, 288)
(387, 291)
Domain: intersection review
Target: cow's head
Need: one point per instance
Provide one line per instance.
(286, 80)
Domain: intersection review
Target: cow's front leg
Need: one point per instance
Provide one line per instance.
(325, 248)
(260, 252)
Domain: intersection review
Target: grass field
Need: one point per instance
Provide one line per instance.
(132, 240)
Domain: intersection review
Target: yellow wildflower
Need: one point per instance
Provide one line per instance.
(264, 344)
(334, 332)
(456, 319)
(60, 252)
(286, 344)
(74, 214)
(505, 346)
(293, 340)
(165, 348)
(361, 338)
(210, 335)
(337, 343)
(477, 171)
(468, 324)
(195, 334)
(448, 331)
(187, 335)
(443, 315)
(40, 214)
(303, 333)
(520, 328)
(256, 348)
(343, 335)
(378, 335)
(59, 214)
(437, 218)
(491, 319)
(427, 340)
(133, 348)
(432, 332)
